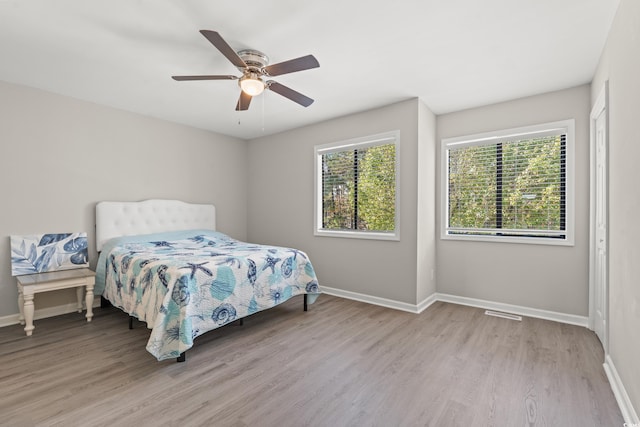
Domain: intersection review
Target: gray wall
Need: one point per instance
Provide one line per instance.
(554, 278)
(281, 196)
(59, 156)
(620, 64)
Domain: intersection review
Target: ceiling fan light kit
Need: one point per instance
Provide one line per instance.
(254, 65)
(251, 84)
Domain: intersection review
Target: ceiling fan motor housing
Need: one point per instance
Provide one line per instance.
(254, 59)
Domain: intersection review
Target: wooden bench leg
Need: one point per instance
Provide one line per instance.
(21, 305)
(88, 299)
(80, 297)
(28, 314)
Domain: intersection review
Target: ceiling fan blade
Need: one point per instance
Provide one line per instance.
(243, 101)
(183, 78)
(278, 88)
(224, 47)
(292, 65)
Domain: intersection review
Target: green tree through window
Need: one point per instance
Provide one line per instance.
(516, 186)
(358, 186)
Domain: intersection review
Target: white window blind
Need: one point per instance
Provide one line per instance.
(509, 185)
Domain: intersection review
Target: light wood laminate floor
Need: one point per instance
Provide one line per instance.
(342, 363)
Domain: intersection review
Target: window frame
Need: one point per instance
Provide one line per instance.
(564, 126)
(351, 144)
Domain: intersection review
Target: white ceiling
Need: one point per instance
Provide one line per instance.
(452, 54)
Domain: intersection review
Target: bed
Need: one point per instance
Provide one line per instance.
(163, 262)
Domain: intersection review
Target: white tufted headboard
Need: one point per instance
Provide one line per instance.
(115, 219)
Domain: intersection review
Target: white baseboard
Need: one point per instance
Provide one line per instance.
(570, 319)
(626, 407)
(14, 319)
(426, 303)
(491, 305)
(384, 302)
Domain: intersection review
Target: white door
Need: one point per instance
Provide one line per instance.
(600, 283)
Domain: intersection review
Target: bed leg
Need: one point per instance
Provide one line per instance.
(305, 302)
(104, 303)
(130, 322)
(241, 321)
(182, 357)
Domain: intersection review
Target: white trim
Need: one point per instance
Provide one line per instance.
(360, 142)
(538, 240)
(43, 313)
(629, 414)
(600, 105)
(555, 316)
(505, 135)
(366, 141)
(426, 303)
(11, 319)
(565, 126)
(383, 302)
(360, 234)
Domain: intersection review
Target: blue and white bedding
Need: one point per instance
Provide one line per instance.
(185, 283)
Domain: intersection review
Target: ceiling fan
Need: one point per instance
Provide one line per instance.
(255, 66)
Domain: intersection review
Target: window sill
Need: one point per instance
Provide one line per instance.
(511, 239)
(370, 235)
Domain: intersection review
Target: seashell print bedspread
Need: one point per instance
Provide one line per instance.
(183, 284)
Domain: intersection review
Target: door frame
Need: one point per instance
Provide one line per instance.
(602, 103)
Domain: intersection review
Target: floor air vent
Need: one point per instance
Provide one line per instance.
(503, 315)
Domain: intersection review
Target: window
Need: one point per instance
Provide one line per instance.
(514, 185)
(357, 188)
